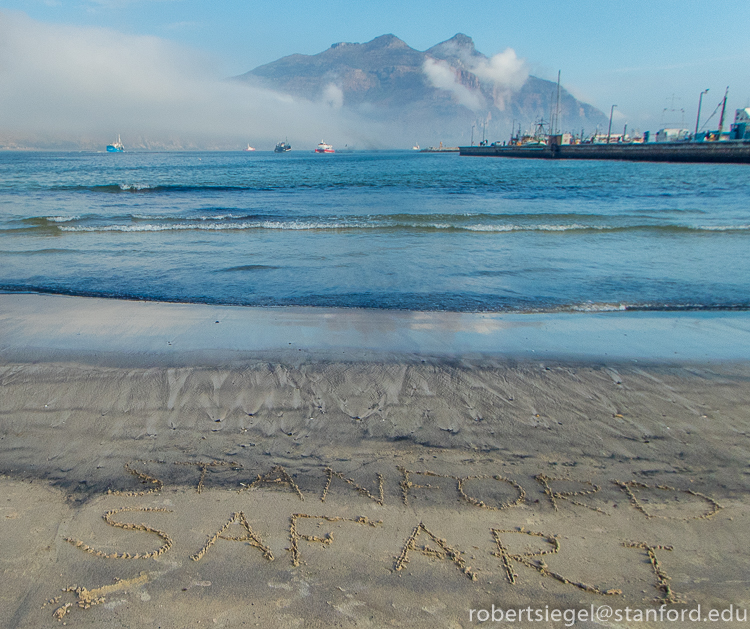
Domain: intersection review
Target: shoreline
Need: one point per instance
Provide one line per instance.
(318, 469)
(107, 331)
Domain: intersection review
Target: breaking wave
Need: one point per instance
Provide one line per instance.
(231, 224)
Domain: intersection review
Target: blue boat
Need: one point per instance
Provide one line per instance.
(116, 147)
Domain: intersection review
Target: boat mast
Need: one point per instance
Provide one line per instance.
(723, 109)
(556, 129)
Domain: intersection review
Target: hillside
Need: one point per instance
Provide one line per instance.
(433, 95)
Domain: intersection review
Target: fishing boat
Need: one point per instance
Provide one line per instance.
(324, 148)
(249, 148)
(116, 147)
(282, 147)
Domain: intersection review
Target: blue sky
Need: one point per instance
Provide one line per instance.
(643, 56)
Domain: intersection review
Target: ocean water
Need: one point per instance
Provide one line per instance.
(394, 230)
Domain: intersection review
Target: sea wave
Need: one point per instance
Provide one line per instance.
(49, 220)
(725, 228)
(431, 303)
(280, 225)
(136, 187)
(592, 307)
(150, 227)
(34, 252)
(543, 228)
(139, 187)
(231, 219)
(200, 217)
(61, 219)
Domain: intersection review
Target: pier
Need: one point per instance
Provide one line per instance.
(732, 151)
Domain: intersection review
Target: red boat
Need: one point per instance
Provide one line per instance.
(324, 148)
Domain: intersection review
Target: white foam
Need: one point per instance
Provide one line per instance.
(61, 219)
(149, 227)
(136, 186)
(543, 228)
(592, 307)
(723, 228)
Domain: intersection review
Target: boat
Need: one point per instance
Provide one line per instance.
(282, 147)
(116, 147)
(415, 147)
(249, 148)
(324, 148)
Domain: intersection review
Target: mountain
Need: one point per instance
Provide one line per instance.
(430, 96)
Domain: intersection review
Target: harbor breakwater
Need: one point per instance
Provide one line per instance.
(717, 152)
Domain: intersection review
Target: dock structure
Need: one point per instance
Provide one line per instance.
(731, 151)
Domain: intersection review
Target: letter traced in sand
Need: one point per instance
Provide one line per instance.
(278, 475)
(538, 564)
(444, 552)
(479, 503)
(662, 578)
(553, 496)
(630, 485)
(407, 485)
(248, 536)
(128, 527)
(97, 596)
(329, 477)
(204, 465)
(143, 477)
(294, 536)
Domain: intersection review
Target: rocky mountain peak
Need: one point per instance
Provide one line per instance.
(458, 48)
(458, 40)
(387, 41)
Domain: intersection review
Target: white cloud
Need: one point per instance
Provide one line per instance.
(333, 96)
(504, 69)
(444, 77)
(64, 84)
(504, 74)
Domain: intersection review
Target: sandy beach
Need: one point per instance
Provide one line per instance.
(171, 465)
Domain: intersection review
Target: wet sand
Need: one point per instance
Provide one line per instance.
(385, 469)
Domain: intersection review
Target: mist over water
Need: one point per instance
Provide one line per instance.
(396, 230)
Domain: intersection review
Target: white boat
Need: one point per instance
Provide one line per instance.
(249, 148)
(324, 148)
